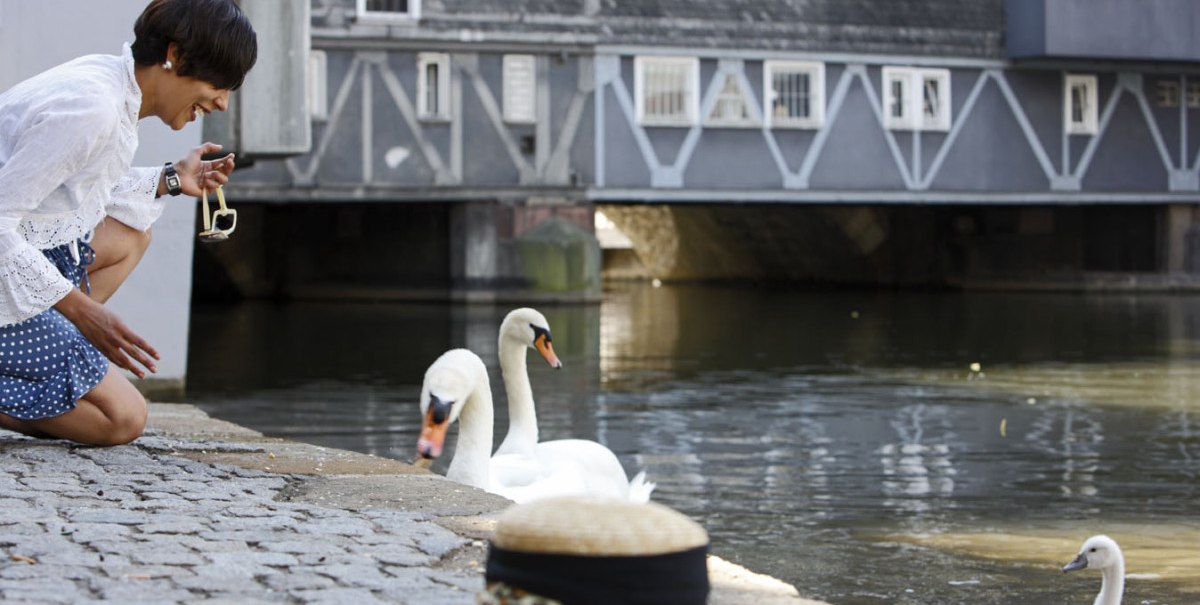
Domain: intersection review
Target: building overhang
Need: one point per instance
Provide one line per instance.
(1125, 30)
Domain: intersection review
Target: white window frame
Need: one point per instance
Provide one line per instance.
(712, 119)
(442, 111)
(912, 83)
(816, 93)
(370, 16)
(1090, 121)
(519, 73)
(318, 82)
(690, 67)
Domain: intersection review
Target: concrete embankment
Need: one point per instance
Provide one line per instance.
(202, 510)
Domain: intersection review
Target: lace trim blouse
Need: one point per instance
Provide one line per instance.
(67, 139)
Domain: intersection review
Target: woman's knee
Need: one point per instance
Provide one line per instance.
(128, 422)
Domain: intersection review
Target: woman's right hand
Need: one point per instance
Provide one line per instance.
(108, 333)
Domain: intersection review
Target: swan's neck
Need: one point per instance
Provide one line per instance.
(1112, 584)
(474, 447)
(522, 418)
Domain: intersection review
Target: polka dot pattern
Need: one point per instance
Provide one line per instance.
(46, 364)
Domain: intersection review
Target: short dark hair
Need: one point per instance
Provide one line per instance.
(214, 40)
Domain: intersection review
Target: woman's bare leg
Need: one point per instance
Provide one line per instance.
(112, 413)
(119, 248)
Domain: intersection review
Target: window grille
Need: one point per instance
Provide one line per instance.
(1168, 93)
(666, 90)
(795, 93)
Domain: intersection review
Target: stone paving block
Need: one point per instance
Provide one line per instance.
(174, 528)
(25, 572)
(273, 559)
(201, 545)
(107, 515)
(12, 505)
(364, 575)
(261, 511)
(234, 598)
(400, 556)
(234, 570)
(298, 581)
(136, 590)
(77, 557)
(84, 533)
(224, 523)
(142, 571)
(340, 596)
(340, 558)
(338, 527)
(436, 541)
(305, 547)
(423, 591)
(437, 579)
(158, 557)
(249, 537)
(229, 584)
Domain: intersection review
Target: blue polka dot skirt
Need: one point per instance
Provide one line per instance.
(46, 364)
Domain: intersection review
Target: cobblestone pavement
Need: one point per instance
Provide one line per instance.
(132, 525)
(200, 511)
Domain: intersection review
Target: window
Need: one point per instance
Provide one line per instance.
(1080, 107)
(916, 99)
(1193, 95)
(730, 108)
(318, 96)
(433, 86)
(795, 93)
(520, 80)
(388, 10)
(1168, 93)
(665, 90)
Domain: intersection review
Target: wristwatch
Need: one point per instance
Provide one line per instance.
(172, 179)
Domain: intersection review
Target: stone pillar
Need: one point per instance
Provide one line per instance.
(474, 250)
(1179, 221)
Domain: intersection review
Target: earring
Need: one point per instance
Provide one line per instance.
(167, 65)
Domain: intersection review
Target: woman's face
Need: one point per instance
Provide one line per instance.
(188, 99)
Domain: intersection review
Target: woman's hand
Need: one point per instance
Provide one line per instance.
(197, 175)
(108, 333)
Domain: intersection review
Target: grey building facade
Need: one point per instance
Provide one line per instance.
(931, 142)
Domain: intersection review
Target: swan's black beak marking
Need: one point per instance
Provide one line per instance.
(1080, 562)
(439, 410)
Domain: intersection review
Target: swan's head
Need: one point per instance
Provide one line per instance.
(449, 384)
(530, 329)
(1098, 552)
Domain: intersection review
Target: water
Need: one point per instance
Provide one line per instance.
(839, 441)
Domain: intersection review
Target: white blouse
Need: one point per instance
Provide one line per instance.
(67, 139)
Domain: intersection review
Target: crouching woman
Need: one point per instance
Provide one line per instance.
(75, 215)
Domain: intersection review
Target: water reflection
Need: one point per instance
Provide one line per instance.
(833, 440)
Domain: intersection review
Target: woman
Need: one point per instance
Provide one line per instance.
(75, 216)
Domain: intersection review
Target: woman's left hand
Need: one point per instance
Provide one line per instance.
(197, 175)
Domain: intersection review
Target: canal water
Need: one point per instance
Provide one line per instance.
(867, 447)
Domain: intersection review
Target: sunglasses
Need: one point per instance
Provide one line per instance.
(221, 224)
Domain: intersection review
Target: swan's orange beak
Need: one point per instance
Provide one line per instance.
(543, 346)
(433, 436)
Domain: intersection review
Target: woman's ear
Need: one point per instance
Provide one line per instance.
(172, 61)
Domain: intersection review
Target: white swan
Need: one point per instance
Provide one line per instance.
(521, 460)
(1102, 552)
(456, 388)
